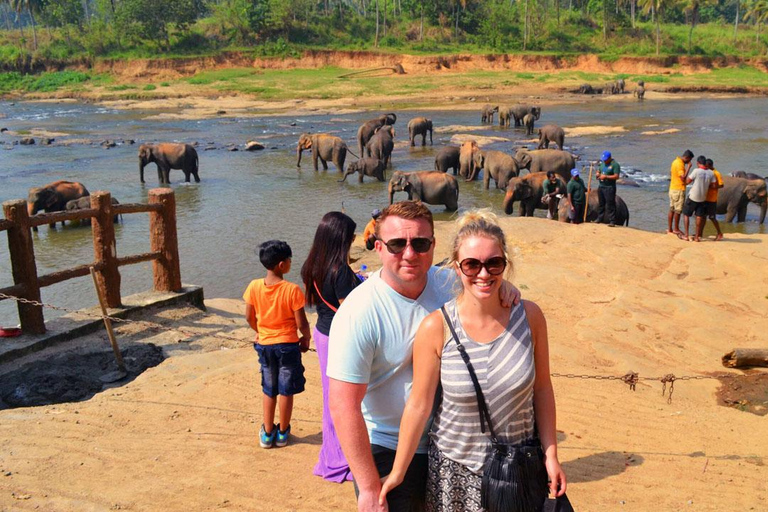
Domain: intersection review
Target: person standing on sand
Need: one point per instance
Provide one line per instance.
(328, 279)
(369, 235)
(370, 354)
(681, 166)
(607, 174)
(577, 197)
(712, 199)
(508, 349)
(700, 179)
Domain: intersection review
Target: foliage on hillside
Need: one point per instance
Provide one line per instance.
(63, 30)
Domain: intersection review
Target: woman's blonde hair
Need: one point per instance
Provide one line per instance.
(482, 222)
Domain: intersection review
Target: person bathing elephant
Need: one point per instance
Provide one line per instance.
(381, 144)
(737, 193)
(431, 187)
(470, 160)
(551, 133)
(54, 197)
(325, 147)
(499, 166)
(542, 160)
(528, 122)
(367, 129)
(518, 112)
(169, 156)
(593, 205)
(448, 158)
(420, 126)
(486, 114)
(372, 167)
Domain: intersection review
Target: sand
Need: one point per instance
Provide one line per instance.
(182, 436)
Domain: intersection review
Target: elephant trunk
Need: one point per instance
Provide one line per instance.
(298, 156)
(509, 204)
(142, 163)
(391, 193)
(31, 208)
(763, 210)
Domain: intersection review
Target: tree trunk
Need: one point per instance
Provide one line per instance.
(421, 25)
(385, 18)
(605, 20)
(87, 12)
(746, 357)
(632, 11)
(376, 41)
(736, 22)
(658, 35)
(456, 30)
(34, 27)
(557, 9)
(525, 27)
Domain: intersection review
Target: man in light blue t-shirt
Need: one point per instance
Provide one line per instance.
(370, 362)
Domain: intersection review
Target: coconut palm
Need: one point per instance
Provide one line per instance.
(32, 7)
(692, 10)
(757, 12)
(656, 7)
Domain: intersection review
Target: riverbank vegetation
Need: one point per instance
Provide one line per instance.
(71, 31)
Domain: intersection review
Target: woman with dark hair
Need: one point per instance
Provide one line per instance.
(328, 279)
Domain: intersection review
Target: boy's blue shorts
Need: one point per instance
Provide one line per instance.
(281, 370)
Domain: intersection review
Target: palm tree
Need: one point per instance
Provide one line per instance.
(32, 6)
(692, 9)
(757, 11)
(656, 7)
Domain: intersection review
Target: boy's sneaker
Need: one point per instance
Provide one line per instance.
(267, 440)
(282, 436)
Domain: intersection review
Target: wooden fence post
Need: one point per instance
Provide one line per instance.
(104, 248)
(23, 265)
(163, 239)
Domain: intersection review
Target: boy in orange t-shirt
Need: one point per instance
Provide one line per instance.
(275, 310)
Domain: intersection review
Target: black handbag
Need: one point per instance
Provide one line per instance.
(515, 478)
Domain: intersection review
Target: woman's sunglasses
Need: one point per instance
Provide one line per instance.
(470, 267)
(398, 245)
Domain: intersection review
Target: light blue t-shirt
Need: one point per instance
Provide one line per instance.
(371, 342)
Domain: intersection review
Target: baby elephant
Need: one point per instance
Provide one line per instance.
(372, 167)
(84, 203)
(528, 121)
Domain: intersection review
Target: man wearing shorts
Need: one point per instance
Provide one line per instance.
(679, 171)
(700, 179)
(712, 199)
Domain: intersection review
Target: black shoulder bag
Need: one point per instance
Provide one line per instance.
(515, 478)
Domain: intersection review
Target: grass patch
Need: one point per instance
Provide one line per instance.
(149, 87)
(121, 87)
(164, 84)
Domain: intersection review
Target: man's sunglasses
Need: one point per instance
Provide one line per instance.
(398, 245)
(470, 267)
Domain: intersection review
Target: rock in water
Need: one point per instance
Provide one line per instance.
(252, 145)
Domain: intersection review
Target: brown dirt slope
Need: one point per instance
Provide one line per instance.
(182, 436)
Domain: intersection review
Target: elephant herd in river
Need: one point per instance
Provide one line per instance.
(375, 143)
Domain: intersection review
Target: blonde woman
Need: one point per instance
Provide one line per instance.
(508, 350)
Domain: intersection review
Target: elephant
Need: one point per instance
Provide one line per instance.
(528, 190)
(447, 158)
(324, 147)
(640, 92)
(620, 85)
(519, 111)
(431, 187)
(420, 126)
(381, 144)
(641, 83)
(542, 160)
(593, 204)
(54, 197)
(487, 113)
(505, 114)
(367, 129)
(372, 167)
(84, 203)
(528, 121)
(169, 156)
(747, 175)
(587, 89)
(499, 166)
(737, 193)
(470, 160)
(551, 133)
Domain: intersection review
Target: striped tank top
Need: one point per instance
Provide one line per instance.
(506, 372)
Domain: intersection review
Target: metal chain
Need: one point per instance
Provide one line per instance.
(152, 325)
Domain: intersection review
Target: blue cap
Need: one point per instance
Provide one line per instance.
(606, 155)
(376, 213)
(574, 172)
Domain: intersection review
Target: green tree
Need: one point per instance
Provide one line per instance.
(150, 19)
(757, 11)
(32, 7)
(692, 9)
(656, 7)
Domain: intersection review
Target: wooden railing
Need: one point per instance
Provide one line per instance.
(164, 250)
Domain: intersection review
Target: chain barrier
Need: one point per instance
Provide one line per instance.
(630, 378)
(153, 325)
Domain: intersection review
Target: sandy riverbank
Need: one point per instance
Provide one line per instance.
(182, 436)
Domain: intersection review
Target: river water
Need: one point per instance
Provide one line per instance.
(245, 198)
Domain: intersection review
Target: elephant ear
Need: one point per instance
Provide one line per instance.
(50, 199)
(526, 191)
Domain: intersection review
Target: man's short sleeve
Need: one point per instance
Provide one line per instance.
(351, 345)
(297, 298)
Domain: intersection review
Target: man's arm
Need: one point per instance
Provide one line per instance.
(301, 321)
(344, 400)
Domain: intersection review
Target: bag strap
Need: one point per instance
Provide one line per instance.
(323, 298)
(485, 415)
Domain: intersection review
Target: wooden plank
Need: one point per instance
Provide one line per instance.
(42, 219)
(63, 275)
(5, 224)
(135, 208)
(139, 258)
(746, 358)
(16, 290)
